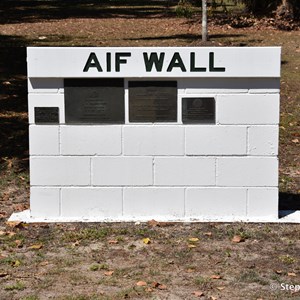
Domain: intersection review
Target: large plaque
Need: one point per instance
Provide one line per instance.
(198, 110)
(152, 101)
(94, 101)
(46, 115)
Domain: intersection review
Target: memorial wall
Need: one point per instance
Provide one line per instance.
(178, 134)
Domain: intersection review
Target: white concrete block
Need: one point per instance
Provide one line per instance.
(214, 202)
(263, 140)
(212, 86)
(45, 85)
(153, 140)
(248, 109)
(263, 202)
(59, 171)
(91, 202)
(228, 85)
(152, 202)
(91, 140)
(44, 202)
(116, 171)
(43, 140)
(46, 100)
(216, 140)
(247, 171)
(184, 171)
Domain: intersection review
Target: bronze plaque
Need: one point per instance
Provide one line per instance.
(152, 101)
(94, 101)
(198, 110)
(46, 115)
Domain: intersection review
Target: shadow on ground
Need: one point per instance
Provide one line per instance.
(13, 98)
(188, 36)
(16, 11)
(289, 201)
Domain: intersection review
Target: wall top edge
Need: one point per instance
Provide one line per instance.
(161, 48)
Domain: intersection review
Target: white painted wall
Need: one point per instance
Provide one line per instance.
(163, 171)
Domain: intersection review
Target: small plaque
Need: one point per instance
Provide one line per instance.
(198, 110)
(46, 115)
(94, 101)
(152, 101)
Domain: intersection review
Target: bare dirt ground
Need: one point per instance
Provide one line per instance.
(116, 261)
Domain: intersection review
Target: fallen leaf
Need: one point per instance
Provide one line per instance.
(190, 270)
(213, 298)
(16, 263)
(207, 233)
(6, 83)
(3, 274)
(113, 242)
(162, 287)
(2, 256)
(141, 283)
(220, 288)
(295, 141)
(198, 293)
(153, 223)
(193, 240)
(292, 274)
(237, 239)
(13, 223)
(36, 246)
(3, 214)
(44, 263)
(278, 272)
(216, 277)
(146, 241)
(77, 243)
(108, 273)
(10, 233)
(165, 224)
(158, 285)
(18, 243)
(191, 246)
(149, 290)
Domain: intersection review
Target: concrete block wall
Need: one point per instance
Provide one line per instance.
(163, 171)
(225, 171)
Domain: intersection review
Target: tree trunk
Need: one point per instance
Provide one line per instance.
(204, 20)
(285, 9)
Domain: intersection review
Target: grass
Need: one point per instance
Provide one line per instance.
(252, 276)
(96, 267)
(32, 297)
(287, 259)
(18, 286)
(87, 234)
(202, 282)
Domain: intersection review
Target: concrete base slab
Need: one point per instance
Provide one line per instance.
(285, 216)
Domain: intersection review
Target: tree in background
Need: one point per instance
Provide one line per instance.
(204, 20)
(283, 8)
